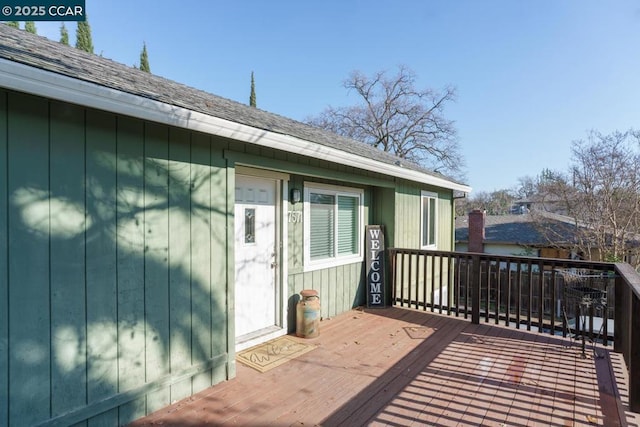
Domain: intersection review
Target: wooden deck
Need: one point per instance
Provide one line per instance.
(400, 367)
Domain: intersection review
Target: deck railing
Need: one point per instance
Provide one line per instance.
(590, 300)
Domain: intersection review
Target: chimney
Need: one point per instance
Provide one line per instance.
(476, 231)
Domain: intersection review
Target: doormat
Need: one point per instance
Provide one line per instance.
(273, 353)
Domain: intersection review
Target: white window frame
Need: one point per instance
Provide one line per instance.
(336, 260)
(428, 195)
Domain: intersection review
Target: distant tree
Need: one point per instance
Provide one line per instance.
(530, 191)
(497, 202)
(30, 27)
(548, 175)
(527, 187)
(501, 202)
(14, 24)
(396, 117)
(601, 193)
(477, 200)
(252, 96)
(533, 191)
(83, 36)
(144, 59)
(64, 35)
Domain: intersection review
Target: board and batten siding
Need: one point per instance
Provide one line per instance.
(407, 233)
(340, 288)
(446, 226)
(113, 264)
(4, 267)
(408, 217)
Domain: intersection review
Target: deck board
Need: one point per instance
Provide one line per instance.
(400, 367)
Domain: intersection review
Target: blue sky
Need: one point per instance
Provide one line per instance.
(531, 76)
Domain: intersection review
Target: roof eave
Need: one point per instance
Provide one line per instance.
(45, 83)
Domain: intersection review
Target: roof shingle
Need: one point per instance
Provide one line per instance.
(40, 52)
(523, 229)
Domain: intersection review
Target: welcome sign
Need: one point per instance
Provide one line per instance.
(374, 244)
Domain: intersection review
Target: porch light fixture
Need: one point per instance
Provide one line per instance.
(295, 195)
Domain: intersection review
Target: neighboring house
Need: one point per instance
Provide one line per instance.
(151, 230)
(519, 235)
(546, 203)
(534, 233)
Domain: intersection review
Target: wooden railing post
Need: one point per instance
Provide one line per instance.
(475, 289)
(627, 327)
(418, 283)
(619, 324)
(392, 272)
(634, 356)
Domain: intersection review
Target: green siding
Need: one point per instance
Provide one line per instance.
(156, 251)
(113, 300)
(392, 203)
(446, 239)
(231, 270)
(101, 266)
(295, 237)
(311, 169)
(407, 212)
(340, 288)
(407, 229)
(130, 262)
(121, 262)
(383, 212)
(29, 275)
(4, 270)
(180, 250)
(221, 262)
(68, 293)
(201, 259)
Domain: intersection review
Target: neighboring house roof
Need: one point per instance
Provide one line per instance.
(539, 202)
(108, 85)
(523, 230)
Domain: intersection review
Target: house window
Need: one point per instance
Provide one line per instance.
(333, 225)
(428, 220)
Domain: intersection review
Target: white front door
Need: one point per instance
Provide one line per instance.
(256, 255)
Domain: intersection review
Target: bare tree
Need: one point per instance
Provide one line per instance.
(527, 187)
(497, 202)
(601, 193)
(396, 117)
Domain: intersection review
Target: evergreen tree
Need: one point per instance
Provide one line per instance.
(64, 35)
(252, 97)
(14, 24)
(30, 27)
(144, 59)
(83, 36)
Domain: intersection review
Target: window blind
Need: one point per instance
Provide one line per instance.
(347, 225)
(322, 229)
